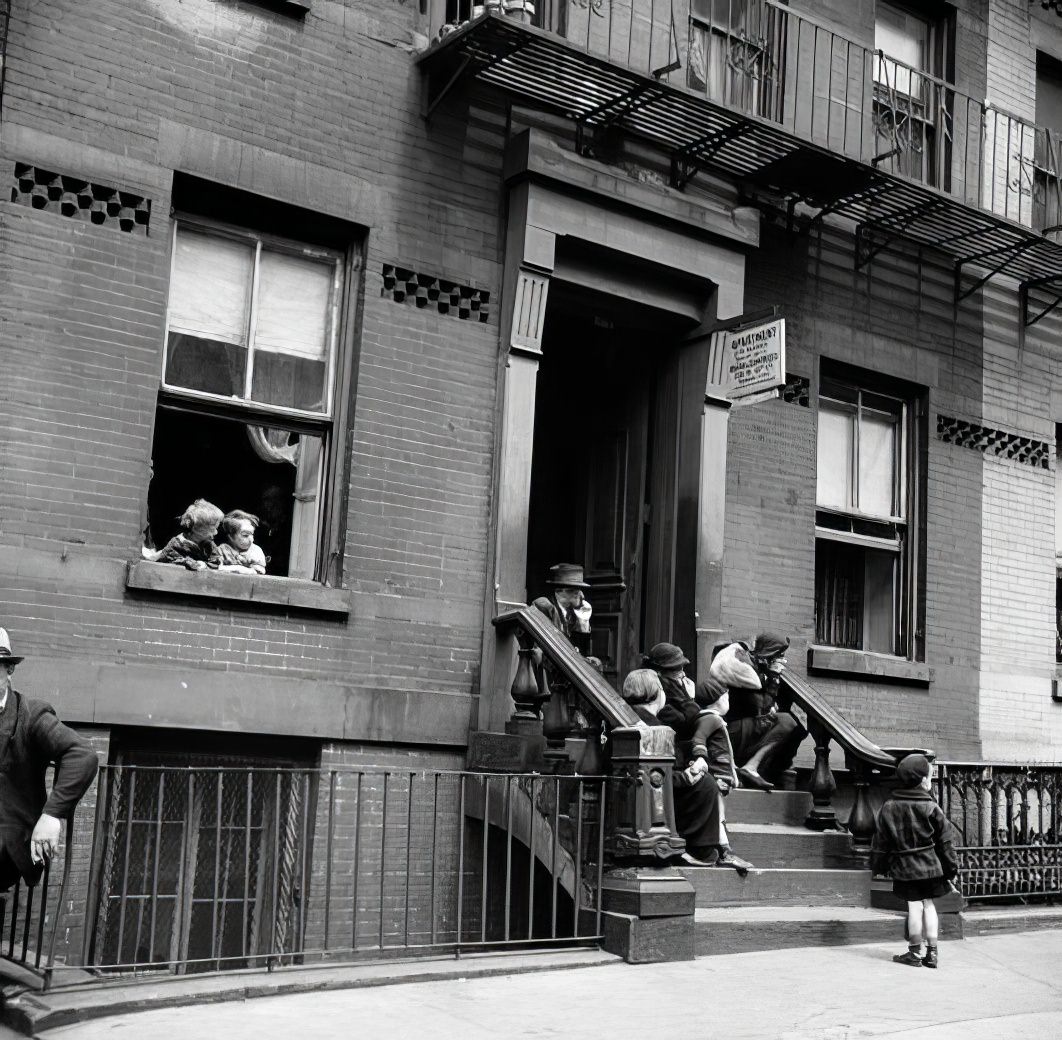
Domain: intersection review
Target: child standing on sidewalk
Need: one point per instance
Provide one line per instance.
(913, 843)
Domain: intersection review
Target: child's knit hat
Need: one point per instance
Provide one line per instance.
(912, 770)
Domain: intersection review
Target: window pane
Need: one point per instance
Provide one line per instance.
(904, 38)
(292, 331)
(877, 463)
(210, 289)
(835, 458)
(209, 303)
(838, 594)
(879, 624)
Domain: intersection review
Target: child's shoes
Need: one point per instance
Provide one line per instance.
(911, 958)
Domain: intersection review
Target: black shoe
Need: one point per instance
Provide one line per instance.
(701, 856)
(909, 958)
(750, 778)
(930, 959)
(728, 859)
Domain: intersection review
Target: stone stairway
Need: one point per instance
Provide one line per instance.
(804, 890)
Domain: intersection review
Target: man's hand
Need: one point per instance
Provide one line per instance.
(44, 841)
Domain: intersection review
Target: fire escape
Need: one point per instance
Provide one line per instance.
(797, 114)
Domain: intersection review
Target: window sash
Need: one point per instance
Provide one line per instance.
(861, 414)
(270, 243)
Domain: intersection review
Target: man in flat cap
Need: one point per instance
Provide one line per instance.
(31, 738)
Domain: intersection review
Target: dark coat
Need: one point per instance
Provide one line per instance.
(28, 745)
(914, 840)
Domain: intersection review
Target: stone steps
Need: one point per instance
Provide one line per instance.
(742, 929)
(718, 886)
(788, 846)
(749, 806)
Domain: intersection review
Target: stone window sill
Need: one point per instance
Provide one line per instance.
(861, 664)
(261, 589)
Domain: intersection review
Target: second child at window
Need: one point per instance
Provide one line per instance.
(239, 554)
(194, 547)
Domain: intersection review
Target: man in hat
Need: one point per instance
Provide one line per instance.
(765, 739)
(566, 606)
(31, 738)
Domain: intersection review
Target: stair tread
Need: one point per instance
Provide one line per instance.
(777, 914)
(781, 828)
(824, 872)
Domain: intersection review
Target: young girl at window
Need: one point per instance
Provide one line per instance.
(239, 554)
(194, 547)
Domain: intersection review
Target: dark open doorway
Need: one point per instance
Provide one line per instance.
(605, 467)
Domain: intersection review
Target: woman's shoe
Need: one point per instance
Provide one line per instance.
(909, 958)
(930, 959)
(750, 778)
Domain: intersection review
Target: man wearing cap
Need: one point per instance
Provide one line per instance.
(765, 739)
(566, 606)
(31, 738)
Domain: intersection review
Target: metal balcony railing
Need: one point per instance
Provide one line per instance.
(797, 112)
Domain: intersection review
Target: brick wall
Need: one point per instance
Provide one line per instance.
(842, 314)
(323, 113)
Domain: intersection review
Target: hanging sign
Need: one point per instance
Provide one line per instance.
(747, 362)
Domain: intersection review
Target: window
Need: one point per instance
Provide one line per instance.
(253, 382)
(865, 534)
(1058, 544)
(735, 55)
(912, 104)
(1047, 153)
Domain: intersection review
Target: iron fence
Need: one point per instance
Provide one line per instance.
(214, 869)
(1008, 818)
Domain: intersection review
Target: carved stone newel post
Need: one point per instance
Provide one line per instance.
(643, 809)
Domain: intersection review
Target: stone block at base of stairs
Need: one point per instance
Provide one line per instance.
(723, 930)
(717, 886)
(648, 940)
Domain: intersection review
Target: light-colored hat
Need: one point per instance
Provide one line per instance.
(6, 656)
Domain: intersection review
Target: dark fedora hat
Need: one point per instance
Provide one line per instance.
(6, 656)
(665, 655)
(567, 576)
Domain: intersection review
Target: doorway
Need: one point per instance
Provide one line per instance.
(605, 468)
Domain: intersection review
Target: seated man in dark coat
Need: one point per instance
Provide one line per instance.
(765, 739)
(566, 605)
(31, 737)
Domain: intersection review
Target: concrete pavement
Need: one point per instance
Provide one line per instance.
(990, 988)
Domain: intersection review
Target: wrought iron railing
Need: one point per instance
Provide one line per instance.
(765, 61)
(207, 870)
(1009, 819)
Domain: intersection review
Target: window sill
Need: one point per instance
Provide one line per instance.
(262, 590)
(862, 664)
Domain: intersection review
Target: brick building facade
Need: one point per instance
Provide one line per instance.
(298, 131)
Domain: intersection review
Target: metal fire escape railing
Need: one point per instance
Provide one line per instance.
(800, 115)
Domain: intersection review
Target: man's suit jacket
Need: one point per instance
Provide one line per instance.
(31, 738)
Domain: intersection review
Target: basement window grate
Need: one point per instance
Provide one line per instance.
(80, 199)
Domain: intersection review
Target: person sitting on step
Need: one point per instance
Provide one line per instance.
(704, 771)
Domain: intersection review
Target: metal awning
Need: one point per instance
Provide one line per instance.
(543, 70)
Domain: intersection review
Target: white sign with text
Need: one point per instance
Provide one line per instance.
(748, 364)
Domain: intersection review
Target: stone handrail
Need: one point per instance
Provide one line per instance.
(584, 679)
(639, 758)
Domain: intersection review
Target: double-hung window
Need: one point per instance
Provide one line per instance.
(865, 532)
(252, 379)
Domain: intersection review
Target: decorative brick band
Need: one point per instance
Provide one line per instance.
(448, 297)
(996, 442)
(797, 390)
(80, 199)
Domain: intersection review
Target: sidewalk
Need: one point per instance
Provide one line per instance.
(989, 988)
